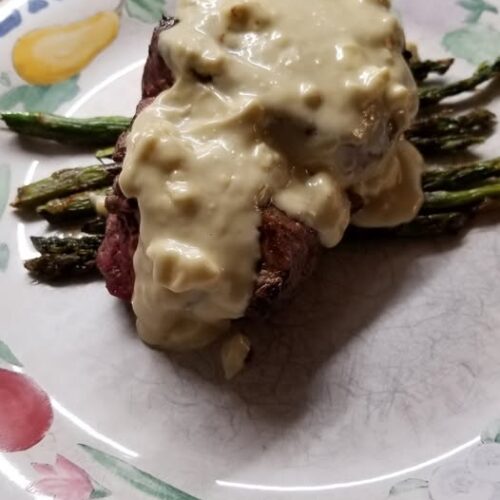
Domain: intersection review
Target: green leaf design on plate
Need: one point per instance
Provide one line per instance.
(142, 481)
(99, 491)
(4, 186)
(407, 486)
(7, 355)
(477, 8)
(5, 79)
(474, 43)
(149, 11)
(492, 433)
(40, 97)
(4, 256)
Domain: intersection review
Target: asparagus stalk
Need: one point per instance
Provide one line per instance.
(57, 267)
(422, 69)
(420, 227)
(98, 131)
(446, 144)
(443, 201)
(73, 207)
(95, 226)
(441, 133)
(433, 95)
(433, 225)
(479, 121)
(439, 179)
(63, 258)
(64, 183)
(53, 245)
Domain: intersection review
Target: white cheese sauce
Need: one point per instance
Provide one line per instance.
(275, 101)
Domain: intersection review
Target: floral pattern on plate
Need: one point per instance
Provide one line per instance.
(65, 481)
(477, 40)
(52, 75)
(26, 416)
(476, 476)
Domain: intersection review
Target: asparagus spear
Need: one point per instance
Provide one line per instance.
(443, 201)
(441, 133)
(95, 226)
(70, 208)
(422, 69)
(433, 225)
(479, 121)
(446, 144)
(64, 183)
(98, 131)
(53, 245)
(438, 179)
(433, 95)
(57, 267)
(421, 226)
(63, 258)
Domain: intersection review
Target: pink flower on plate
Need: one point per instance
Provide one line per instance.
(65, 481)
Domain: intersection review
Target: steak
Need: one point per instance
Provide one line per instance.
(116, 253)
(289, 251)
(288, 248)
(157, 76)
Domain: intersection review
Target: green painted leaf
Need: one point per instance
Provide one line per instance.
(477, 8)
(5, 79)
(7, 355)
(474, 43)
(99, 491)
(142, 481)
(46, 98)
(4, 256)
(12, 98)
(407, 486)
(4, 186)
(492, 433)
(148, 11)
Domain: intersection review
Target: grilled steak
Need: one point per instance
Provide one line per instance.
(289, 251)
(115, 256)
(288, 247)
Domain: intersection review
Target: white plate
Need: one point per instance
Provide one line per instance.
(377, 382)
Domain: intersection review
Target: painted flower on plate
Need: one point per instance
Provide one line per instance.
(25, 411)
(65, 481)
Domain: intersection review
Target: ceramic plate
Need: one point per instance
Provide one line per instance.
(382, 380)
